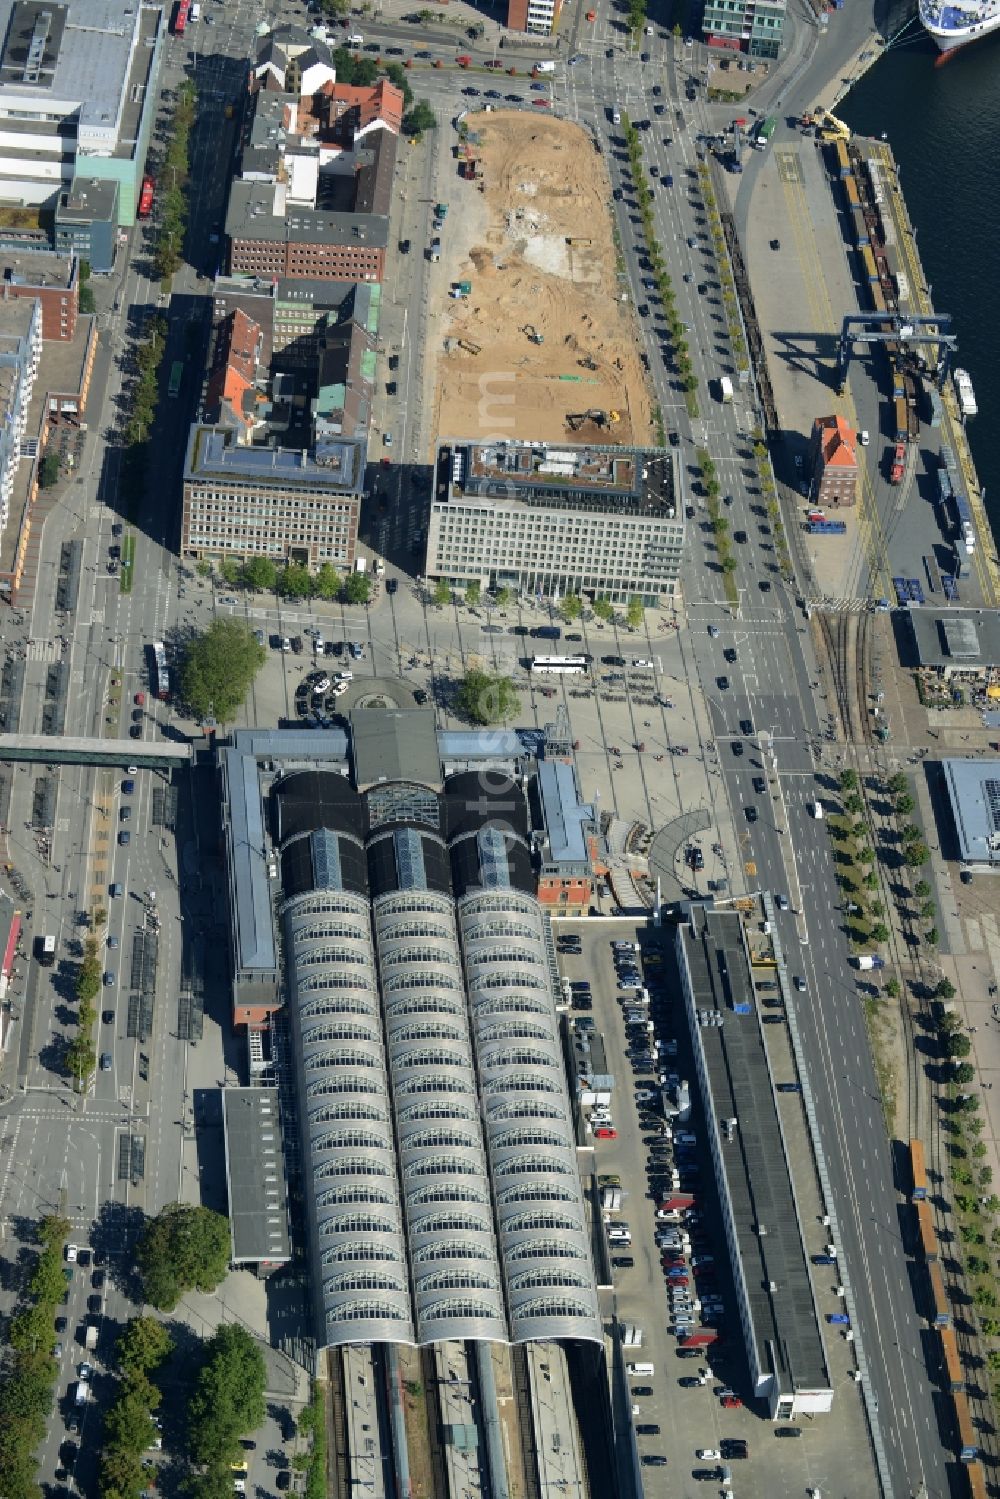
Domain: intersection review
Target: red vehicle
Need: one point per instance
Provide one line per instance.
(463, 60)
(675, 1203)
(605, 1133)
(699, 1339)
(541, 103)
(731, 1402)
(146, 197)
(898, 465)
(181, 12)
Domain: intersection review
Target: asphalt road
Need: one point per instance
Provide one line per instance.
(75, 1166)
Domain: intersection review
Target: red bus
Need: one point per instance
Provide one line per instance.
(181, 10)
(146, 197)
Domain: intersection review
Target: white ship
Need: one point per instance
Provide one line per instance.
(966, 395)
(954, 24)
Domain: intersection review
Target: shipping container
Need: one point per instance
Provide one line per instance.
(968, 1445)
(861, 236)
(841, 158)
(902, 427)
(953, 1376)
(925, 1231)
(851, 194)
(869, 268)
(918, 1171)
(939, 1309)
(827, 527)
(976, 1480)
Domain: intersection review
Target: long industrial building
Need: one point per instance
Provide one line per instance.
(393, 908)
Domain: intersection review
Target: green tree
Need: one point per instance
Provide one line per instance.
(728, 565)
(915, 854)
(335, 9)
(396, 74)
(49, 470)
(904, 805)
(219, 668)
(260, 574)
(295, 581)
(183, 1248)
(957, 1044)
(231, 572)
(719, 525)
(88, 977)
(870, 880)
(419, 119)
(635, 612)
(571, 608)
(203, 568)
(604, 609)
(984, 1296)
(945, 989)
(143, 1345)
(327, 583)
(892, 988)
(921, 889)
(503, 597)
(880, 932)
(487, 699)
(848, 780)
(927, 910)
(933, 937)
(897, 783)
(357, 588)
(963, 1073)
(227, 1401)
(864, 853)
(473, 593)
(442, 593)
(853, 804)
(81, 1057)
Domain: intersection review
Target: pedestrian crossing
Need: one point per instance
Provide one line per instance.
(42, 650)
(842, 604)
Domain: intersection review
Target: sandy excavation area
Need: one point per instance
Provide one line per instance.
(533, 235)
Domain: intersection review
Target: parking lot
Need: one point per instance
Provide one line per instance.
(679, 1409)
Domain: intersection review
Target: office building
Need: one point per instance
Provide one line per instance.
(751, 26)
(20, 356)
(548, 520)
(538, 16)
(51, 279)
(78, 90)
(957, 647)
(289, 504)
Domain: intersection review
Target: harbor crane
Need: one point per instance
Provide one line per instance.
(895, 328)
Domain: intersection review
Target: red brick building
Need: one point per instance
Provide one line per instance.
(835, 463)
(47, 277)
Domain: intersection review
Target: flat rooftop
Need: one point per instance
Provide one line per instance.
(260, 211)
(785, 1324)
(956, 639)
(566, 817)
(563, 476)
(255, 1176)
(334, 464)
(91, 58)
(37, 268)
(974, 794)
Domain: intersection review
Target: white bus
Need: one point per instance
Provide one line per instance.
(560, 666)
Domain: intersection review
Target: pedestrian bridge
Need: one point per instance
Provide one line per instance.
(117, 753)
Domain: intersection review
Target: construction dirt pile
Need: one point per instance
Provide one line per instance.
(543, 336)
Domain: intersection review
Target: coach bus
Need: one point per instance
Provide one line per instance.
(176, 377)
(560, 666)
(161, 677)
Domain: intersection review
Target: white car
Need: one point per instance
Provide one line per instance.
(708, 1455)
(644, 1095)
(72, 1254)
(864, 439)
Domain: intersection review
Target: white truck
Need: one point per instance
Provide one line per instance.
(725, 388)
(356, 40)
(90, 1336)
(611, 1199)
(545, 67)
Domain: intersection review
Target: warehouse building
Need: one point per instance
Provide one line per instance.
(392, 911)
(973, 789)
(549, 521)
(782, 1337)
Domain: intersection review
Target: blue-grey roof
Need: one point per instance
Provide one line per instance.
(335, 464)
(485, 744)
(564, 813)
(251, 888)
(974, 791)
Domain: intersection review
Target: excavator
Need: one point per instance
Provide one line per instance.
(577, 419)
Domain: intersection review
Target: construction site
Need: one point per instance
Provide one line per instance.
(538, 341)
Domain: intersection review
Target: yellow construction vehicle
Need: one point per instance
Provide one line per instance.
(829, 128)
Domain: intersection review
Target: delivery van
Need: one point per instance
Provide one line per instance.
(640, 1371)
